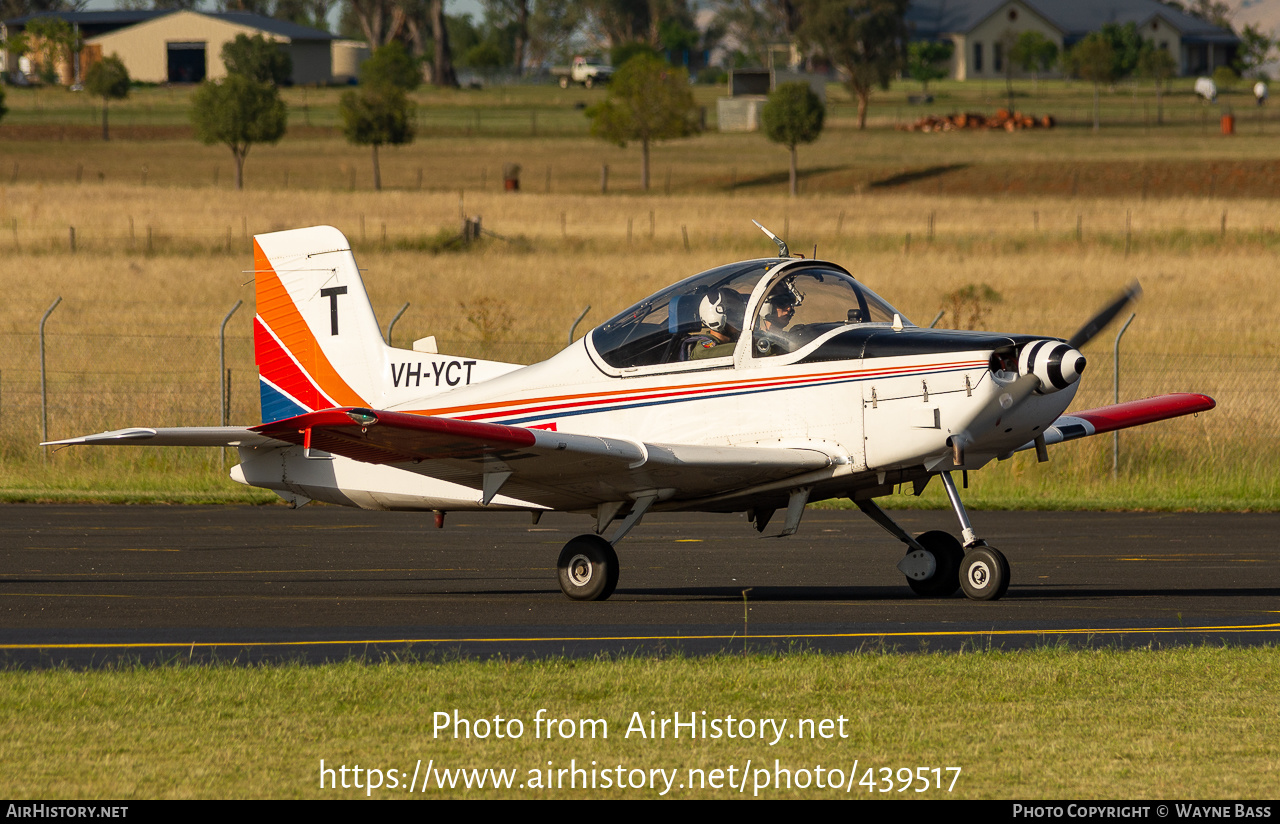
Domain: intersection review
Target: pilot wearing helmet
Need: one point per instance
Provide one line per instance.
(721, 313)
(776, 312)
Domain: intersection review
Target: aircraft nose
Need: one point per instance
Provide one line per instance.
(1056, 364)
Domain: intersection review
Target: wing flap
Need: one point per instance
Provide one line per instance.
(556, 469)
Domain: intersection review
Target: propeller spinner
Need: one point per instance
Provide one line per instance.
(1044, 366)
(1057, 365)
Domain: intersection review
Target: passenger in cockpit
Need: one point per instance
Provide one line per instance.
(721, 312)
(775, 315)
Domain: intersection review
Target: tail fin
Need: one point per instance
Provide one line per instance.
(316, 340)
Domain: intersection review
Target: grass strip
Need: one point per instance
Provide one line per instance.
(1047, 723)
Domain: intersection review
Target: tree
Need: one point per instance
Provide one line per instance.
(238, 112)
(648, 101)
(1094, 59)
(864, 39)
(926, 61)
(756, 26)
(1225, 78)
(624, 51)
(793, 115)
(259, 59)
(3, 109)
(1035, 53)
(108, 79)
(551, 25)
(1158, 65)
(376, 115)
(1216, 12)
(512, 15)
(52, 41)
(1126, 48)
(442, 73)
(391, 65)
(380, 20)
(1253, 53)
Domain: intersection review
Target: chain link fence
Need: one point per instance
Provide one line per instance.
(95, 382)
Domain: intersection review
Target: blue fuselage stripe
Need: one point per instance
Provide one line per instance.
(619, 407)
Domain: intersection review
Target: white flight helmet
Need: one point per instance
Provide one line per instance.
(722, 311)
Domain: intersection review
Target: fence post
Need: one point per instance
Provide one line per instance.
(222, 357)
(578, 320)
(222, 372)
(44, 396)
(392, 324)
(1115, 398)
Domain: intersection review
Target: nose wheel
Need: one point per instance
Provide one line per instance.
(984, 573)
(588, 568)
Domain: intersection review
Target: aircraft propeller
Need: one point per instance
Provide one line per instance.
(1104, 317)
(1044, 367)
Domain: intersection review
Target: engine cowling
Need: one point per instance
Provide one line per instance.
(1055, 363)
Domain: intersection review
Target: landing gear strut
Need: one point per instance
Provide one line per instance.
(984, 571)
(588, 566)
(937, 564)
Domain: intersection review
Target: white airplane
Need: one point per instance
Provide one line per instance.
(753, 387)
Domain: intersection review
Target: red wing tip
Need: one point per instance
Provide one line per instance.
(1146, 410)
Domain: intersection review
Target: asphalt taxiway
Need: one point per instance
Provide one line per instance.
(91, 585)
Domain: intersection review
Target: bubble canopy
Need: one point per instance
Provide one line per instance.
(790, 304)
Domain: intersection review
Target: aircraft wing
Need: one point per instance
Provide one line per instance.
(174, 436)
(559, 470)
(1122, 416)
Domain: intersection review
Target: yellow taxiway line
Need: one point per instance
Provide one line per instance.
(1003, 633)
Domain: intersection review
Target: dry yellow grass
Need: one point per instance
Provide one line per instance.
(135, 340)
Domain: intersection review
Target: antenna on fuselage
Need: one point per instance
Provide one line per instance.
(783, 251)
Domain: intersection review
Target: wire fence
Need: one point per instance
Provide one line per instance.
(96, 382)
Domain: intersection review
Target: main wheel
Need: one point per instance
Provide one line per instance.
(946, 553)
(589, 82)
(984, 574)
(588, 568)
(564, 82)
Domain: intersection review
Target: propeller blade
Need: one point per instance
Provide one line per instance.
(1101, 320)
(986, 417)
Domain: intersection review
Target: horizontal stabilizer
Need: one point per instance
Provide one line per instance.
(1122, 416)
(174, 436)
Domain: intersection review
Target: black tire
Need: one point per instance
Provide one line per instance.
(947, 554)
(588, 568)
(984, 574)
(589, 82)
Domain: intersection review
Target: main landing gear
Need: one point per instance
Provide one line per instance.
(937, 564)
(588, 566)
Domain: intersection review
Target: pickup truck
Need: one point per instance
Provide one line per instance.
(584, 71)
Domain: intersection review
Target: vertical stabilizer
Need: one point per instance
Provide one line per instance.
(317, 342)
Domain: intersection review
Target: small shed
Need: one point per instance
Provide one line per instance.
(748, 91)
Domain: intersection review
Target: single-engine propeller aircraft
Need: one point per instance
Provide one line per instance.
(755, 387)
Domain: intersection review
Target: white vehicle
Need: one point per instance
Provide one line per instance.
(754, 387)
(1206, 88)
(584, 71)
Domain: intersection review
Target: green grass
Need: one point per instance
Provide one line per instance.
(1146, 724)
(547, 109)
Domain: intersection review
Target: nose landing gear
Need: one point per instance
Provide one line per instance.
(937, 564)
